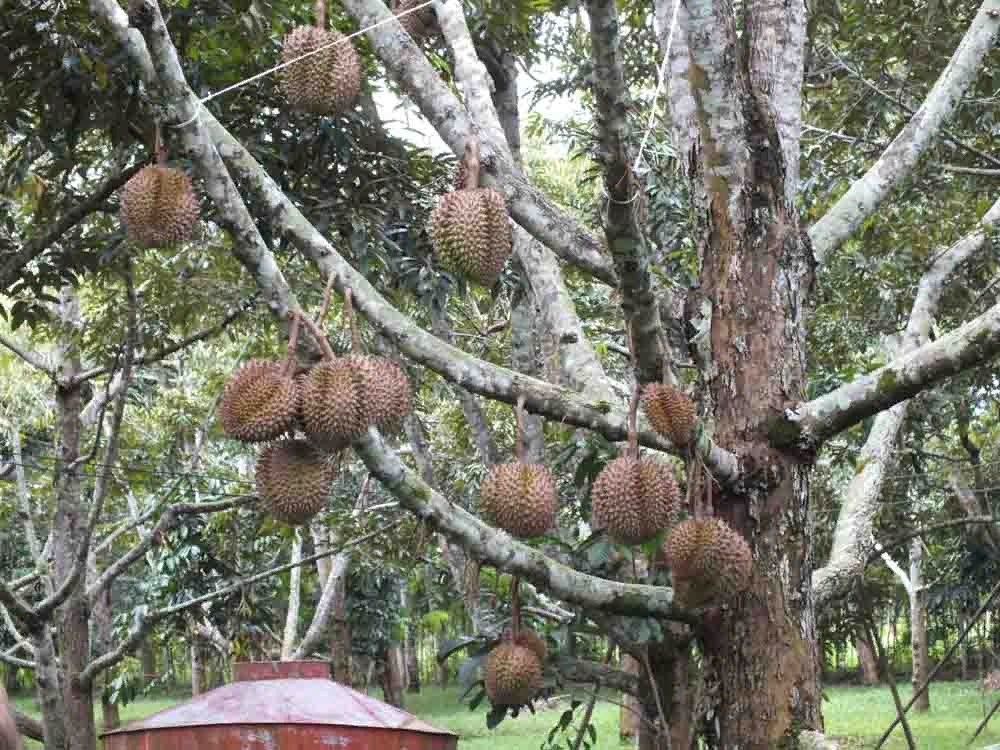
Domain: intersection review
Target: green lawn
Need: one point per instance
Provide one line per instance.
(857, 716)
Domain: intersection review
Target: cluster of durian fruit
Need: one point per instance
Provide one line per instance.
(306, 418)
(634, 498)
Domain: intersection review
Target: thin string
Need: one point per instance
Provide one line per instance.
(661, 77)
(279, 66)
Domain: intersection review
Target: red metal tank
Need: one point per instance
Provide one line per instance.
(292, 705)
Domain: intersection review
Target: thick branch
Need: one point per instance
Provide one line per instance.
(898, 160)
(530, 208)
(35, 247)
(625, 193)
(583, 670)
(673, 32)
(853, 536)
(498, 549)
(29, 727)
(973, 343)
(30, 358)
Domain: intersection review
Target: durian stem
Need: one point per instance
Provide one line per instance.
(633, 431)
(352, 321)
(515, 606)
(327, 295)
(293, 339)
(471, 159)
(159, 149)
(321, 340)
(319, 13)
(519, 445)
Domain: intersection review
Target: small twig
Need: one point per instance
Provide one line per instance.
(105, 399)
(984, 722)
(885, 671)
(327, 296)
(633, 434)
(589, 712)
(317, 334)
(352, 321)
(519, 443)
(656, 689)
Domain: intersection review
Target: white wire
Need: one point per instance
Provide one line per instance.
(661, 77)
(279, 66)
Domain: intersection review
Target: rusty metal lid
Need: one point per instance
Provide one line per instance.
(294, 700)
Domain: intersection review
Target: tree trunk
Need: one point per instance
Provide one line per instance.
(147, 657)
(918, 624)
(444, 673)
(412, 662)
(630, 715)
(104, 642)
(392, 675)
(867, 667)
(196, 667)
(341, 646)
(963, 647)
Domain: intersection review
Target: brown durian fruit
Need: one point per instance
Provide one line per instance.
(387, 393)
(634, 498)
(293, 480)
(520, 497)
(470, 227)
(159, 206)
(513, 674)
(531, 640)
(334, 404)
(260, 400)
(709, 560)
(418, 24)
(325, 83)
(670, 412)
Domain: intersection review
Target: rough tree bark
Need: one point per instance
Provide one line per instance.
(918, 624)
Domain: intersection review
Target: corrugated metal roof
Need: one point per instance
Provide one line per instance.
(283, 701)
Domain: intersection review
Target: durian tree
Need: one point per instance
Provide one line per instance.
(733, 80)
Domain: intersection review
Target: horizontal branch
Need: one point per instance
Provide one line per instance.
(30, 358)
(583, 670)
(500, 550)
(897, 161)
(35, 247)
(160, 354)
(29, 727)
(168, 520)
(145, 622)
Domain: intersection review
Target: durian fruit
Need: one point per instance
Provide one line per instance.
(419, 23)
(709, 560)
(670, 412)
(159, 206)
(634, 498)
(520, 497)
(387, 393)
(260, 400)
(293, 480)
(470, 228)
(334, 404)
(513, 674)
(327, 82)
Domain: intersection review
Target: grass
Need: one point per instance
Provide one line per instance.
(856, 716)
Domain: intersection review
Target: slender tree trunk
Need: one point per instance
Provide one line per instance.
(963, 647)
(196, 667)
(867, 667)
(412, 661)
(104, 642)
(341, 646)
(393, 674)
(444, 673)
(630, 715)
(918, 624)
(147, 657)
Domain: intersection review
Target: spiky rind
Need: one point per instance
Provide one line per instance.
(472, 234)
(293, 480)
(387, 392)
(531, 640)
(709, 560)
(332, 404)
(327, 82)
(159, 206)
(259, 402)
(419, 23)
(634, 499)
(513, 674)
(521, 498)
(670, 412)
